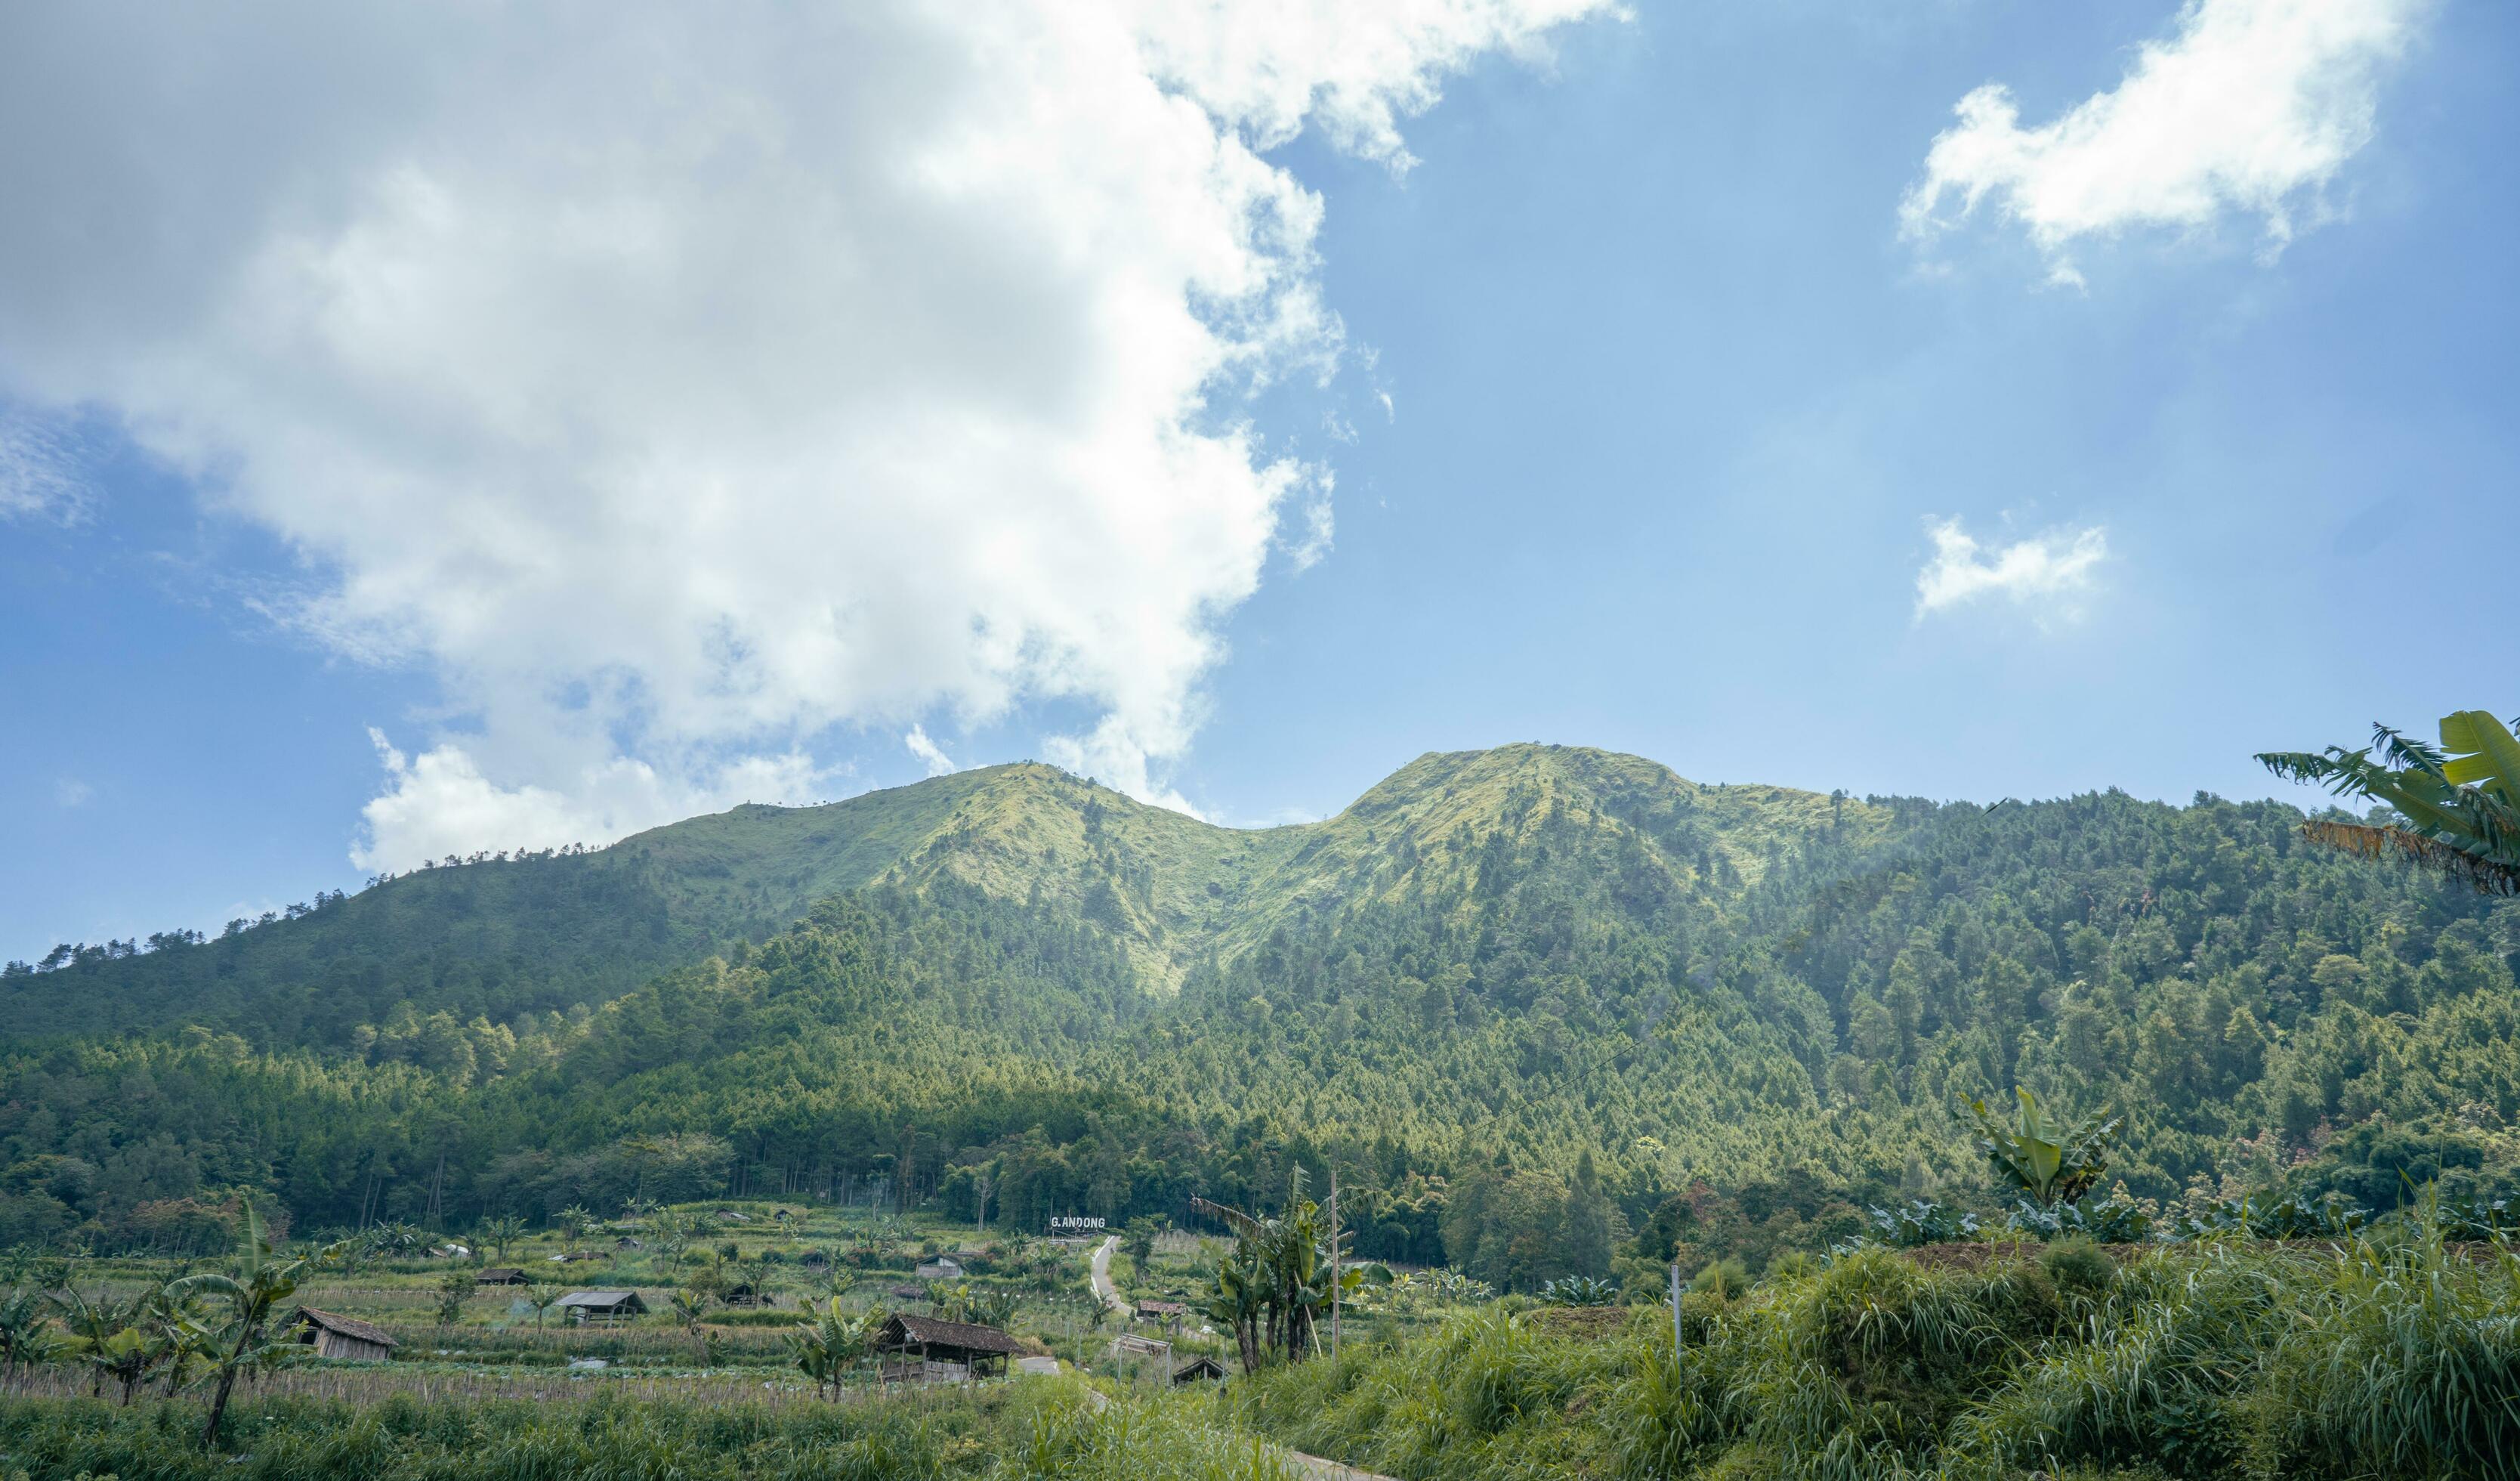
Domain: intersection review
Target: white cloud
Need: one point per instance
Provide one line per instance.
(676, 382)
(929, 754)
(2048, 573)
(440, 802)
(1317, 522)
(39, 472)
(71, 792)
(2248, 105)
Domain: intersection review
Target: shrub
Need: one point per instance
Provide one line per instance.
(1580, 1290)
(2079, 1266)
(1920, 1221)
(1724, 1278)
(2116, 1220)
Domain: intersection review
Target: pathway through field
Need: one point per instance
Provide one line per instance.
(1310, 1467)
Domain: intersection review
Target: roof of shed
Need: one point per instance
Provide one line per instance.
(933, 1332)
(347, 1327)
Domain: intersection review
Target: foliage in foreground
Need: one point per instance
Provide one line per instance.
(2212, 1361)
(1035, 1429)
(2457, 807)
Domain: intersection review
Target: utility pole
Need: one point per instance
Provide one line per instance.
(1678, 1339)
(1334, 1265)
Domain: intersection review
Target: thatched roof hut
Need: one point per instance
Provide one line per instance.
(334, 1335)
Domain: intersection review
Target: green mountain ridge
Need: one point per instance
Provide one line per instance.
(1494, 971)
(536, 934)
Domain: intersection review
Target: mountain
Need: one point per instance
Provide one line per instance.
(539, 933)
(1496, 980)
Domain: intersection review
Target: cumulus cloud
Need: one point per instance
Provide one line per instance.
(2248, 105)
(2048, 573)
(930, 755)
(674, 383)
(440, 802)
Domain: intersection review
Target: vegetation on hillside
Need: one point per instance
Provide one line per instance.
(1750, 1013)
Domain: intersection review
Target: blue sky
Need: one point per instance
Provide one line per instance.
(301, 448)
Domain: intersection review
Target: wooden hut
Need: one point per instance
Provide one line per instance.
(502, 1275)
(1198, 1370)
(1165, 1312)
(333, 1335)
(606, 1306)
(945, 1349)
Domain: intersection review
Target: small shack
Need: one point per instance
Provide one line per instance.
(502, 1275)
(945, 1349)
(942, 1268)
(1200, 1371)
(606, 1306)
(1168, 1312)
(333, 1335)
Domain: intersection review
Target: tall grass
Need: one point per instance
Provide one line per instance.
(2210, 1361)
(1049, 1430)
(406, 1439)
(2385, 1357)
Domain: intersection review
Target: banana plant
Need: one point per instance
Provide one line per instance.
(27, 1336)
(829, 1346)
(106, 1336)
(2459, 801)
(542, 1296)
(126, 1357)
(990, 1308)
(1235, 1304)
(242, 1306)
(2047, 1157)
(500, 1232)
(690, 1309)
(1285, 1259)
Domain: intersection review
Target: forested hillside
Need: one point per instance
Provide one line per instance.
(1527, 990)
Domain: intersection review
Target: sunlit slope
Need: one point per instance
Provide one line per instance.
(1447, 834)
(498, 938)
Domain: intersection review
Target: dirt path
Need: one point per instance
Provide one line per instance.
(1308, 1467)
(1099, 1271)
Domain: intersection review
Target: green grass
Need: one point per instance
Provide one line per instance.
(1029, 1430)
(2211, 1362)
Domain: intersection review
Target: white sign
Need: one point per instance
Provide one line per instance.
(1075, 1223)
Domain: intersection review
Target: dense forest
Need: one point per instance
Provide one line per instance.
(1535, 1005)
